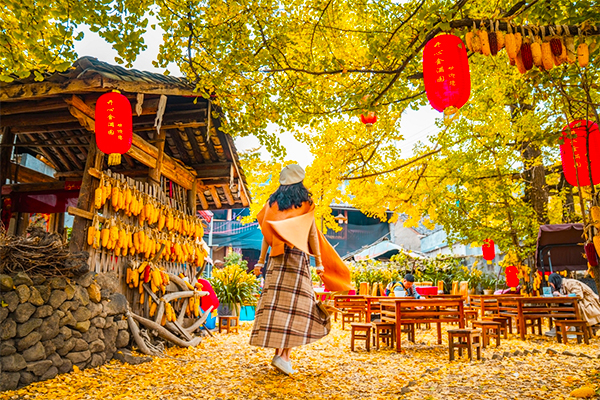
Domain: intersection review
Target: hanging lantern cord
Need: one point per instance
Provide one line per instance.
(114, 159)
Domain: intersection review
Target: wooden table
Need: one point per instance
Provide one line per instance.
(538, 307)
(488, 302)
(406, 310)
(373, 305)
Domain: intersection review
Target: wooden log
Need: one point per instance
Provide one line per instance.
(197, 324)
(192, 202)
(135, 332)
(25, 130)
(31, 91)
(155, 173)
(165, 334)
(228, 194)
(215, 196)
(202, 199)
(79, 104)
(176, 327)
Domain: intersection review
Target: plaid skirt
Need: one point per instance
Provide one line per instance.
(287, 314)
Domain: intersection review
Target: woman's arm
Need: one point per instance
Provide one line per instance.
(261, 260)
(313, 242)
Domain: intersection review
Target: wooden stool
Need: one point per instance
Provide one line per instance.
(469, 339)
(582, 330)
(225, 322)
(360, 331)
(489, 329)
(385, 331)
(533, 322)
(410, 330)
(349, 317)
(503, 324)
(471, 315)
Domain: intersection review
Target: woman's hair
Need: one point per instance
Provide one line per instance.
(288, 196)
(556, 280)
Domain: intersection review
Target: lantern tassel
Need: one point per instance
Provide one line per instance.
(114, 159)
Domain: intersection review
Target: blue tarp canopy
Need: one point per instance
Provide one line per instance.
(384, 250)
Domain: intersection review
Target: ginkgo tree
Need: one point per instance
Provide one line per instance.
(312, 67)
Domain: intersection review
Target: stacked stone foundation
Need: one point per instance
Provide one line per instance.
(50, 325)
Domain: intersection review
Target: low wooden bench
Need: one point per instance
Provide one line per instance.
(469, 339)
(583, 330)
(385, 331)
(225, 323)
(489, 329)
(360, 331)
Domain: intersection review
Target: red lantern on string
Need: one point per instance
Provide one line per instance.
(488, 249)
(369, 119)
(575, 155)
(512, 276)
(113, 125)
(446, 73)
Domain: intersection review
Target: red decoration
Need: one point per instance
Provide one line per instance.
(113, 125)
(512, 278)
(369, 120)
(577, 144)
(488, 250)
(446, 73)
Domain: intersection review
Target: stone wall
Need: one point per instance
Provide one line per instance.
(48, 325)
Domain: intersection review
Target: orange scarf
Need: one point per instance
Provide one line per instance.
(292, 227)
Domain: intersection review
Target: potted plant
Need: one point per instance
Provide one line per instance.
(234, 287)
(488, 283)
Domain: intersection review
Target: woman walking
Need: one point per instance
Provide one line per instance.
(287, 313)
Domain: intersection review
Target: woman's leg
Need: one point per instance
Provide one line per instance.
(285, 354)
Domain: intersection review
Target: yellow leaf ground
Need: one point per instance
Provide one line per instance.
(226, 367)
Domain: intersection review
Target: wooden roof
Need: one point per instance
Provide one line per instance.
(53, 120)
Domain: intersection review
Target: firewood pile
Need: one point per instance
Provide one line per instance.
(40, 253)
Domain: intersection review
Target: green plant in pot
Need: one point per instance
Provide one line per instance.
(235, 287)
(488, 283)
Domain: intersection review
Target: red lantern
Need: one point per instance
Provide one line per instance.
(446, 73)
(113, 125)
(573, 152)
(369, 120)
(512, 276)
(488, 249)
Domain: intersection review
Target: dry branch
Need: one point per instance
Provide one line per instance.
(164, 333)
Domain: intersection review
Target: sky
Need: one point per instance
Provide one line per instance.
(415, 125)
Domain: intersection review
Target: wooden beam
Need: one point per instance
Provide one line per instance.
(79, 104)
(209, 172)
(27, 130)
(243, 193)
(202, 199)
(33, 187)
(8, 138)
(36, 90)
(28, 175)
(155, 173)
(51, 118)
(142, 157)
(86, 197)
(150, 88)
(192, 203)
(37, 144)
(215, 196)
(228, 194)
(32, 106)
(78, 212)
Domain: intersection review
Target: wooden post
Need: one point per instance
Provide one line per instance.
(86, 197)
(155, 173)
(192, 202)
(8, 138)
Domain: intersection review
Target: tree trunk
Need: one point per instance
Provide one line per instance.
(568, 210)
(536, 190)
